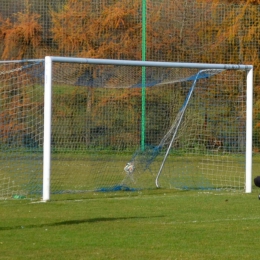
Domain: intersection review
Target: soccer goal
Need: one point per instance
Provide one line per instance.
(111, 125)
(72, 125)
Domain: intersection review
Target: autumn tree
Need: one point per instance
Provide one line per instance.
(232, 37)
(219, 31)
(81, 28)
(23, 36)
(172, 30)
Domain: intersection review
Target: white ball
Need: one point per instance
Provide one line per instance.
(129, 168)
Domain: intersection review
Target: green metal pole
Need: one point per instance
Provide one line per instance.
(143, 119)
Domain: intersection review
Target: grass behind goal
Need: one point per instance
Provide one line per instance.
(186, 168)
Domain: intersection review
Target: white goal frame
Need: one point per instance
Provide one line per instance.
(49, 60)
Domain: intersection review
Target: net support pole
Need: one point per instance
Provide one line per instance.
(249, 131)
(143, 119)
(47, 129)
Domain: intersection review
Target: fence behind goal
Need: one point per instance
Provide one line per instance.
(96, 122)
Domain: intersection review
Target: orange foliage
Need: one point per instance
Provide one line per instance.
(22, 36)
(99, 33)
(252, 2)
(87, 28)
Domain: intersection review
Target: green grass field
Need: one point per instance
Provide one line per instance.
(155, 224)
(144, 224)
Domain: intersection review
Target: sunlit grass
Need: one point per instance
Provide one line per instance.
(154, 224)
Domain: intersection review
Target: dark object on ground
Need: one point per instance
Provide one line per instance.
(257, 183)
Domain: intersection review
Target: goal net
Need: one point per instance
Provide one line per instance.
(111, 125)
(116, 126)
(21, 128)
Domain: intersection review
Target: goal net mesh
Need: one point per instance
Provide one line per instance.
(98, 122)
(21, 128)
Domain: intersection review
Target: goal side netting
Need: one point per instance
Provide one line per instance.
(21, 128)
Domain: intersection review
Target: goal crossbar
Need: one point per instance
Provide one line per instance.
(148, 63)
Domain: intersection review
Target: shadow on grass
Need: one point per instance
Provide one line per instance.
(73, 222)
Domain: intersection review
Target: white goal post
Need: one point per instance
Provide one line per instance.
(49, 76)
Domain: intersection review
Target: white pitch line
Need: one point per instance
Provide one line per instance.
(207, 221)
